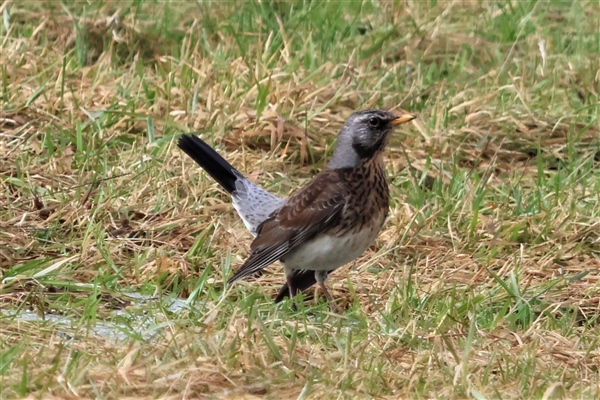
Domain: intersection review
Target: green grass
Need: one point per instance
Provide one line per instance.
(114, 246)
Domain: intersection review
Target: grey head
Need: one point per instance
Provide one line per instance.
(363, 135)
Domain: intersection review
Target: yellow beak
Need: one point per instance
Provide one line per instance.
(402, 119)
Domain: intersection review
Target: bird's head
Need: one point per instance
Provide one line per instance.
(363, 135)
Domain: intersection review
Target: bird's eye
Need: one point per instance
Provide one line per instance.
(374, 121)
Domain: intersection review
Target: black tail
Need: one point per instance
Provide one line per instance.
(216, 166)
(301, 280)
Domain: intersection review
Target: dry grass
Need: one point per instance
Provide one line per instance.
(484, 282)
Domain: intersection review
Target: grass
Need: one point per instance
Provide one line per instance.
(114, 247)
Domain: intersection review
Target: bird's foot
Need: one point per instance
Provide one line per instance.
(332, 305)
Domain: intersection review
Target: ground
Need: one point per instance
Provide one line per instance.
(115, 246)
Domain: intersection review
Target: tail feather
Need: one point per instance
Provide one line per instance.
(301, 280)
(215, 165)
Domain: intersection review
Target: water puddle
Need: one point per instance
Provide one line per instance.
(123, 324)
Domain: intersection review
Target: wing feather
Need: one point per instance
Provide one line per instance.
(314, 209)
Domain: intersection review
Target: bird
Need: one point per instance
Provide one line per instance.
(322, 226)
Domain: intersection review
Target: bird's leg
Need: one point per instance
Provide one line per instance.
(293, 290)
(320, 277)
(329, 298)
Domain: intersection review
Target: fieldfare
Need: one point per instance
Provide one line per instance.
(329, 222)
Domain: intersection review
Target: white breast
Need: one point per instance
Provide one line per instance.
(327, 252)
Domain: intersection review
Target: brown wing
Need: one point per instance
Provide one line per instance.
(315, 209)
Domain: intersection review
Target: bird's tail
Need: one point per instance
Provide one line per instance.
(215, 165)
(301, 280)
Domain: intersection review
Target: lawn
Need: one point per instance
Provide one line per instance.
(115, 246)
